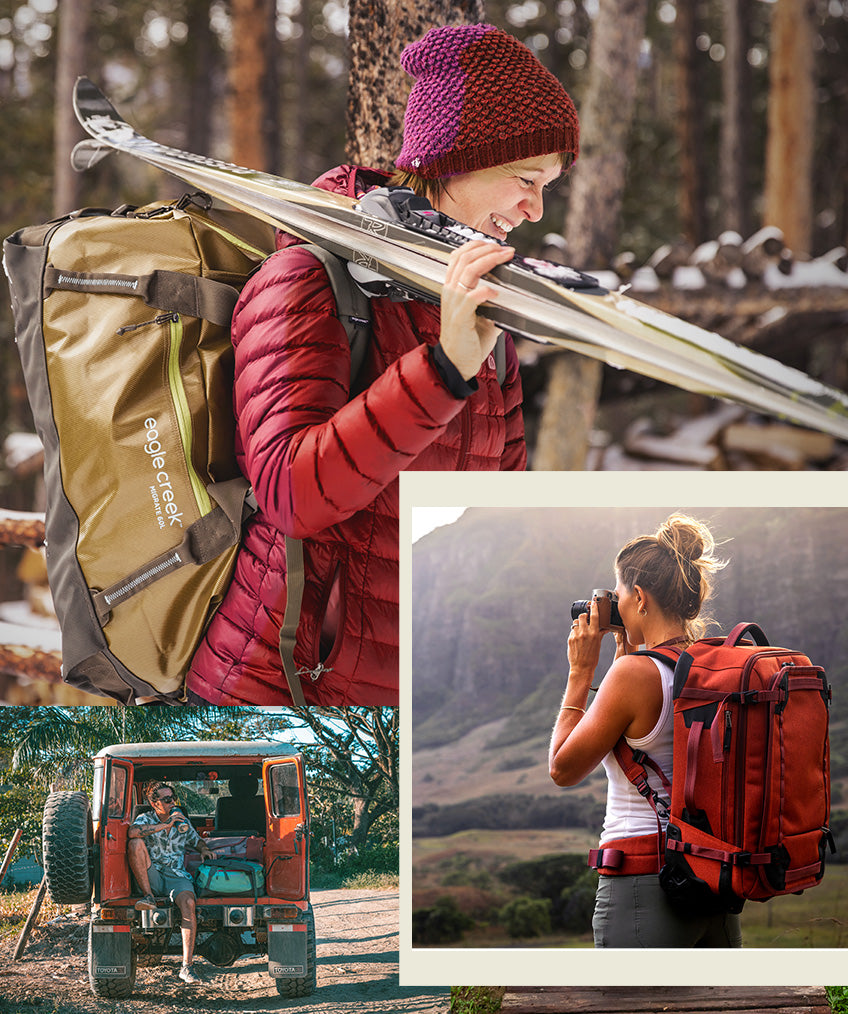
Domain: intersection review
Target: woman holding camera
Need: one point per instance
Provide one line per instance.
(663, 581)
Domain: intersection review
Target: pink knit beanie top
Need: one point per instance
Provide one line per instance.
(480, 99)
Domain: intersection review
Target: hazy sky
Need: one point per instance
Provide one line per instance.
(425, 519)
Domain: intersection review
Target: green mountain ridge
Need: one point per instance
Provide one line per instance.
(491, 611)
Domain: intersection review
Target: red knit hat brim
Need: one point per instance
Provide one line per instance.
(481, 99)
(483, 155)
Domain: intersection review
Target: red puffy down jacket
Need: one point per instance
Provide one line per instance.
(324, 469)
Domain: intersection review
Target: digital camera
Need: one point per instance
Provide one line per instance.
(608, 613)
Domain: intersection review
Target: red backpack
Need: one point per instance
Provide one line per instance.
(750, 791)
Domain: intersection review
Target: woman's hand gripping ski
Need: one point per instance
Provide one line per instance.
(467, 338)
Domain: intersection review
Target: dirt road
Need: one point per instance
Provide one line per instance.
(357, 935)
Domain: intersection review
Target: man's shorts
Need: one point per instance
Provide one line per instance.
(168, 882)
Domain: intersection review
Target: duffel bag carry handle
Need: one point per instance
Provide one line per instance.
(741, 629)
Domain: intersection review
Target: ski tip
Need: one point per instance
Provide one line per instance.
(89, 102)
(87, 154)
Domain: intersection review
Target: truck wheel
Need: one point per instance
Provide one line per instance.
(293, 988)
(66, 840)
(110, 988)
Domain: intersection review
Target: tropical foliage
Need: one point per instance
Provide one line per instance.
(351, 756)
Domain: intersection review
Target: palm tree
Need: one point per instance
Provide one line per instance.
(56, 744)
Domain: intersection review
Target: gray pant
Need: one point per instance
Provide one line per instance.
(168, 882)
(635, 912)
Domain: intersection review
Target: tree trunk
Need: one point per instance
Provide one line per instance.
(71, 62)
(272, 127)
(250, 96)
(689, 119)
(296, 56)
(593, 219)
(791, 121)
(379, 87)
(736, 122)
(574, 383)
(199, 62)
(361, 822)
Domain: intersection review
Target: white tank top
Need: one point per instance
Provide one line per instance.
(629, 814)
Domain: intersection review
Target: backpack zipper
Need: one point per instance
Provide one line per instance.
(178, 399)
(741, 758)
(725, 775)
(465, 437)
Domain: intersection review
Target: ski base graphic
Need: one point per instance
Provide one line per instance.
(541, 301)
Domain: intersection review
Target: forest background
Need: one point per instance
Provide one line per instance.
(696, 118)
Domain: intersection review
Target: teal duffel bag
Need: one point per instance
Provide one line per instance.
(229, 876)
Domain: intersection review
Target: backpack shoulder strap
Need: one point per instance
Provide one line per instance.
(669, 654)
(500, 357)
(352, 305)
(354, 311)
(635, 763)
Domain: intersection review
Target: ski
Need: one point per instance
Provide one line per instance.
(541, 301)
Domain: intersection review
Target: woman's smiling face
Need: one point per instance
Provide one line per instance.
(496, 200)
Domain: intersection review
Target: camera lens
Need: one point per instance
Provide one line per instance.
(579, 607)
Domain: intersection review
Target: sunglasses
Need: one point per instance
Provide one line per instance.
(165, 799)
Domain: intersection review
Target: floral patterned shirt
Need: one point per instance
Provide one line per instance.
(167, 847)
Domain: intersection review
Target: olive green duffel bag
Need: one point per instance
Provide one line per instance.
(123, 328)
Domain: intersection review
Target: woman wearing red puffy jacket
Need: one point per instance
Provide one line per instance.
(486, 129)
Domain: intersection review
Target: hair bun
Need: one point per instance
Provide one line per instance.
(686, 538)
(676, 565)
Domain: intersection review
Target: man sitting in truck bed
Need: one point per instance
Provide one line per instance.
(156, 852)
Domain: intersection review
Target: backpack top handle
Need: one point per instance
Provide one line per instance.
(741, 629)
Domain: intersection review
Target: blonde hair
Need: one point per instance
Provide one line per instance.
(676, 565)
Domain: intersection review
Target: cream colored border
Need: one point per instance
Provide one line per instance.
(555, 967)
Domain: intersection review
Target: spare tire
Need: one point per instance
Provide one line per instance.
(66, 840)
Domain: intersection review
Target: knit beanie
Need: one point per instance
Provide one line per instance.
(480, 99)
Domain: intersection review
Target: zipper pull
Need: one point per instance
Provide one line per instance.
(161, 319)
(728, 729)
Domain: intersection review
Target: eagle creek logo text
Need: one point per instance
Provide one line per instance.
(162, 492)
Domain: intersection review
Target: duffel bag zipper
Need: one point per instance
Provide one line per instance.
(237, 241)
(178, 399)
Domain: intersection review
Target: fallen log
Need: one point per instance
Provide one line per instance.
(21, 528)
(785, 446)
(31, 663)
(640, 440)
